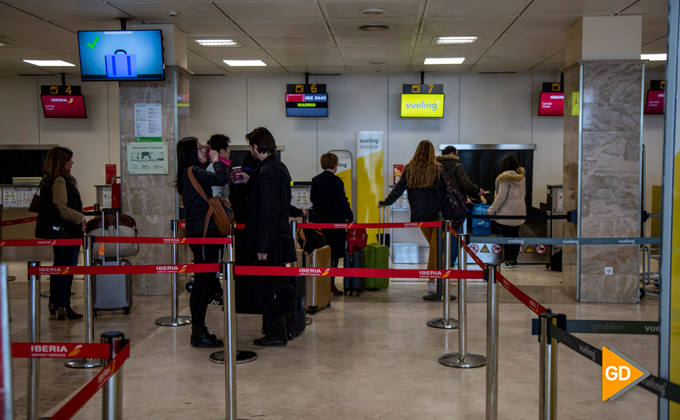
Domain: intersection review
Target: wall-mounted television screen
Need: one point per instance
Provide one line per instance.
(655, 102)
(422, 105)
(306, 104)
(121, 55)
(63, 106)
(552, 104)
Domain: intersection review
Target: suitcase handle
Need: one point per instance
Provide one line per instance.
(123, 51)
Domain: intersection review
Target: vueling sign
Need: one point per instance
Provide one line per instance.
(619, 374)
(422, 105)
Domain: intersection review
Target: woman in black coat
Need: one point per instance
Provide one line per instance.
(331, 206)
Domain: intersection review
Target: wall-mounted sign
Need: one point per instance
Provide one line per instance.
(148, 122)
(147, 158)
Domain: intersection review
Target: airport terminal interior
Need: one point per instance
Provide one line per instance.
(573, 89)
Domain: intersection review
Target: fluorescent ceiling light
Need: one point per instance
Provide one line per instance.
(216, 42)
(249, 63)
(50, 63)
(455, 39)
(454, 60)
(653, 57)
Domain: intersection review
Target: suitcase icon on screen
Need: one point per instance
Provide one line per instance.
(121, 65)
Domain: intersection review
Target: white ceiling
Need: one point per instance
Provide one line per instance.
(321, 36)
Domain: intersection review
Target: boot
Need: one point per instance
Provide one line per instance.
(61, 314)
(200, 337)
(71, 314)
(52, 309)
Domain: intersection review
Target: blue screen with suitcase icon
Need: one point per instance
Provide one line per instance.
(121, 55)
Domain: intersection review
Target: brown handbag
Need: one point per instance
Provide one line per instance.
(35, 202)
(220, 212)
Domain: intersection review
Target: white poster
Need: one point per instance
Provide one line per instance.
(147, 158)
(148, 122)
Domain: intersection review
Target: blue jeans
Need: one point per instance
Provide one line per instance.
(454, 247)
(60, 286)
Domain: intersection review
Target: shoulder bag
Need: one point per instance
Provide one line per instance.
(35, 202)
(453, 208)
(220, 212)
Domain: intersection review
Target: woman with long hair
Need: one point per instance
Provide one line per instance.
(426, 188)
(60, 216)
(192, 156)
(511, 191)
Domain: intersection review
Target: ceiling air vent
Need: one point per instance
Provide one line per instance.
(373, 28)
(373, 12)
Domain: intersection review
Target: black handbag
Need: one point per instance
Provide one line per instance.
(35, 202)
(453, 208)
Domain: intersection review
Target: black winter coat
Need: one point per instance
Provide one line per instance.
(425, 203)
(331, 206)
(49, 217)
(455, 171)
(268, 207)
(195, 207)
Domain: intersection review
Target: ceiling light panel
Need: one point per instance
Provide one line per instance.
(217, 42)
(245, 63)
(447, 40)
(451, 60)
(50, 63)
(653, 57)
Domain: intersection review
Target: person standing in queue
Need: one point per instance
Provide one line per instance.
(457, 176)
(423, 180)
(192, 156)
(269, 239)
(331, 206)
(510, 200)
(60, 216)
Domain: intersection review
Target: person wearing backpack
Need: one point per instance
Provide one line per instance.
(510, 201)
(423, 179)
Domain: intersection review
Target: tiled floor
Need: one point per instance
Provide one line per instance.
(371, 357)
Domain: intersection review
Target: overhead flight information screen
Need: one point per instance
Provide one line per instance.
(306, 101)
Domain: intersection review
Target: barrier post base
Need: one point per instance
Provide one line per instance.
(168, 321)
(436, 297)
(440, 323)
(83, 363)
(466, 362)
(242, 356)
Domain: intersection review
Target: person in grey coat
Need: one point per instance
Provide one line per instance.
(510, 197)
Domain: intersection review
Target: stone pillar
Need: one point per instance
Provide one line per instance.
(602, 156)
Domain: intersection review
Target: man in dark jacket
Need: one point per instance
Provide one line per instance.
(269, 240)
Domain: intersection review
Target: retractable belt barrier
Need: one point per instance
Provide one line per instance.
(60, 350)
(565, 241)
(154, 240)
(30, 219)
(40, 242)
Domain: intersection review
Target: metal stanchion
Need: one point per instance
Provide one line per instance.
(9, 278)
(174, 320)
(33, 404)
(446, 321)
(229, 339)
(438, 295)
(112, 398)
(89, 310)
(547, 398)
(491, 343)
(462, 359)
(242, 356)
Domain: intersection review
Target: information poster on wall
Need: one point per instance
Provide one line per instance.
(345, 173)
(148, 122)
(147, 158)
(300, 196)
(369, 178)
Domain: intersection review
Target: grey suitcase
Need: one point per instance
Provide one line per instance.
(319, 288)
(112, 291)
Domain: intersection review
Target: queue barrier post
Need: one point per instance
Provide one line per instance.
(89, 310)
(446, 322)
(33, 405)
(438, 295)
(229, 336)
(174, 320)
(112, 398)
(547, 398)
(491, 343)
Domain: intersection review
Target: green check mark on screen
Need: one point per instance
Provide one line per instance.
(94, 43)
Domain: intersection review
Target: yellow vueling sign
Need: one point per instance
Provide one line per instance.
(369, 178)
(419, 105)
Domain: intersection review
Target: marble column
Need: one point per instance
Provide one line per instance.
(151, 199)
(602, 173)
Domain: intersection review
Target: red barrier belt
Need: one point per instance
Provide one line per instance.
(357, 272)
(125, 269)
(453, 232)
(237, 226)
(367, 225)
(61, 350)
(474, 256)
(535, 307)
(40, 242)
(29, 219)
(151, 240)
(87, 392)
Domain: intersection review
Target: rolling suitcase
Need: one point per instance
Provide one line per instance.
(319, 288)
(378, 256)
(299, 319)
(354, 284)
(112, 291)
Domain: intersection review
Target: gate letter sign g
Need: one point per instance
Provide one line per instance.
(619, 374)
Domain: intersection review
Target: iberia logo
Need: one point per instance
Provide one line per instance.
(619, 374)
(70, 101)
(2, 243)
(54, 242)
(446, 275)
(325, 273)
(66, 270)
(420, 224)
(183, 269)
(183, 240)
(349, 226)
(75, 351)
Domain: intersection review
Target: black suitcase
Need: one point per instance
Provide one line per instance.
(354, 284)
(264, 295)
(299, 319)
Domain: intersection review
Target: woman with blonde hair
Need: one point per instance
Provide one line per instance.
(424, 182)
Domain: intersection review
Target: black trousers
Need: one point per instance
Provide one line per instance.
(510, 251)
(205, 284)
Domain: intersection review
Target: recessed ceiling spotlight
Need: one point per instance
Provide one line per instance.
(216, 42)
(653, 57)
(373, 28)
(172, 13)
(50, 63)
(373, 12)
(377, 62)
(453, 60)
(245, 63)
(455, 39)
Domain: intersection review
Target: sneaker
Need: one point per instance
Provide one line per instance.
(507, 264)
(431, 287)
(217, 300)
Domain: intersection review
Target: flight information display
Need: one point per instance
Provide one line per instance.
(306, 101)
(63, 106)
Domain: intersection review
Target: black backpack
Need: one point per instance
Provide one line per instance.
(555, 261)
